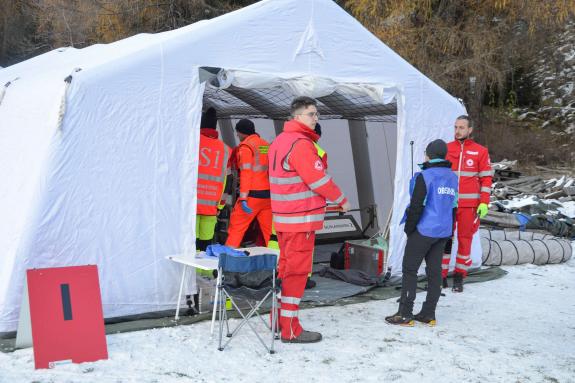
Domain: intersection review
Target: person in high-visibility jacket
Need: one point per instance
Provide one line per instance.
(310, 283)
(273, 243)
(299, 190)
(254, 198)
(470, 161)
(213, 169)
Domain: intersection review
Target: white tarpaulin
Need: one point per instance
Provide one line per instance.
(113, 184)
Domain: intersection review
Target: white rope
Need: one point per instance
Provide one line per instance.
(2, 93)
(62, 111)
(5, 89)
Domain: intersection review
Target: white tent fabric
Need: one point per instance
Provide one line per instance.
(114, 183)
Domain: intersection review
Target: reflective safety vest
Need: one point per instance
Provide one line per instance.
(252, 162)
(321, 153)
(298, 181)
(437, 218)
(212, 171)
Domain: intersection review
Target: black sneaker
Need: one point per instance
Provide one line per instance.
(310, 284)
(400, 320)
(305, 337)
(426, 319)
(457, 283)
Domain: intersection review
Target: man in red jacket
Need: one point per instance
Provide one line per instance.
(470, 161)
(299, 188)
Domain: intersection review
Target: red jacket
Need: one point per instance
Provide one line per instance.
(470, 161)
(299, 184)
(252, 163)
(213, 167)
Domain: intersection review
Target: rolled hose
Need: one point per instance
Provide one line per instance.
(502, 247)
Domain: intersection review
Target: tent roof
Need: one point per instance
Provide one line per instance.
(238, 103)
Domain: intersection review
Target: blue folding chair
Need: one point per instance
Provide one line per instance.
(252, 278)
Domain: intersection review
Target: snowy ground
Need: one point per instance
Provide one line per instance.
(520, 328)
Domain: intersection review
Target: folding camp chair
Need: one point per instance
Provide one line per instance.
(253, 279)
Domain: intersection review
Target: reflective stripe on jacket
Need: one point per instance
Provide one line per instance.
(298, 182)
(470, 162)
(213, 168)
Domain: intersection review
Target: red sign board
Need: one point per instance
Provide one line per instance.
(66, 315)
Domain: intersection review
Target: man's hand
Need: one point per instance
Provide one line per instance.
(482, 210)
(245, 207)
(345, 207)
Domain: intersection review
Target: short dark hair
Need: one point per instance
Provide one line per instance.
(301, 102)
(467, 118)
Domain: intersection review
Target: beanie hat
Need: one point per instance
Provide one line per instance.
(436, 149)
(246, 127)
(317, 129)
(209, 119)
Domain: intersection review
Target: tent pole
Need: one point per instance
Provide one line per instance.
(361, 164)
(227, 132)
(278, 126)
(411, 145)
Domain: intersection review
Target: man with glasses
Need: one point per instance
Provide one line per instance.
(299, 188)
(470, 161)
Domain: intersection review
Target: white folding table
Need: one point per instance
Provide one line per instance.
(201, 261)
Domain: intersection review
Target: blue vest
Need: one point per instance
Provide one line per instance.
(437, 218)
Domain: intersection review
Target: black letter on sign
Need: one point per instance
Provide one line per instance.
(66, 302)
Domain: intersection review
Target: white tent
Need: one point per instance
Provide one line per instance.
(101, 169)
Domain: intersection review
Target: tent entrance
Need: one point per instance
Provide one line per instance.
(359, 128)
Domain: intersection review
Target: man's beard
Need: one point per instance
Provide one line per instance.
(462, 138)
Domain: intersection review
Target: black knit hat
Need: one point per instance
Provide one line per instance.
(317, 129)
(209, 119)
(246, 126)
(436, 149)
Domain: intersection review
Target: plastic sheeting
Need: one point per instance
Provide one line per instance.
(114, 185)
(518, 247)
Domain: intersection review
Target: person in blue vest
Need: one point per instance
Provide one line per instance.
(428, 225)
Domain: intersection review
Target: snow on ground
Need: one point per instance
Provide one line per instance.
(568, 209)
(520, 328)
(517, 203)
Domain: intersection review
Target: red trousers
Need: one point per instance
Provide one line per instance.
(240, 220)
(294, 265)
(467, 223)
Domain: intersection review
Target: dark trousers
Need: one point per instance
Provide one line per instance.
(418, 248)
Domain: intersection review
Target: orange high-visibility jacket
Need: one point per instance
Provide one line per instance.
(470, 161)
(299, 183)
(252, 162)
(213, 167)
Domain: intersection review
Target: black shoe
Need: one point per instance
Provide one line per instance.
(305, 337)
(310, 284)
(398, 319)
(457, 283)
(192, 305)
(426, 319)
(444, 283)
